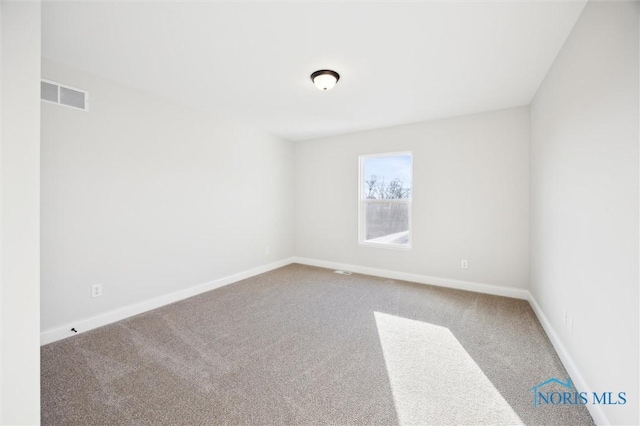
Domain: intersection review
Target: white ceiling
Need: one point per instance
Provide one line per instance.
(250, 62)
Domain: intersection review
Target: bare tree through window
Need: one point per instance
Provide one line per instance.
(386, 199)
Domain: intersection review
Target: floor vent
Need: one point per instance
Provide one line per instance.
(342, 272)
(60, 94)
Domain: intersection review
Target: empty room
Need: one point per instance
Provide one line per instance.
(417, 213)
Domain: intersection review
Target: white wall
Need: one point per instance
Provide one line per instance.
(19, 230)
(147, 198)
(470, 198)
(584, 199)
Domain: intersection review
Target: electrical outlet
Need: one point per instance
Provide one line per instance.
(464, 264)
(96, 290)
(267, 250)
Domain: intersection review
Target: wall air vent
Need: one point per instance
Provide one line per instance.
(61, 94)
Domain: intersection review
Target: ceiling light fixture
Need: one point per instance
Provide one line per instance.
(325, 79)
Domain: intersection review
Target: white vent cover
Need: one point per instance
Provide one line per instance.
(60, 94)
(48, 92)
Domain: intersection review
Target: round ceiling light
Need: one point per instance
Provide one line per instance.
(325, 79)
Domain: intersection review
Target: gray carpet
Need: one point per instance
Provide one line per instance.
(302, 345)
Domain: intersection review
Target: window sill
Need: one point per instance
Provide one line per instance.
(401, 247)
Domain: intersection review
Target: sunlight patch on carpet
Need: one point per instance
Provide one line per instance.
(434, 380)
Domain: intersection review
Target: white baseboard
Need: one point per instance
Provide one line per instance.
(87, 324)
(496, 290)
(83, 325)
(596, 411)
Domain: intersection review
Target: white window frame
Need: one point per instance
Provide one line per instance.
(362, 202)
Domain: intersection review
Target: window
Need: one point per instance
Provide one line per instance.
(385, 200)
